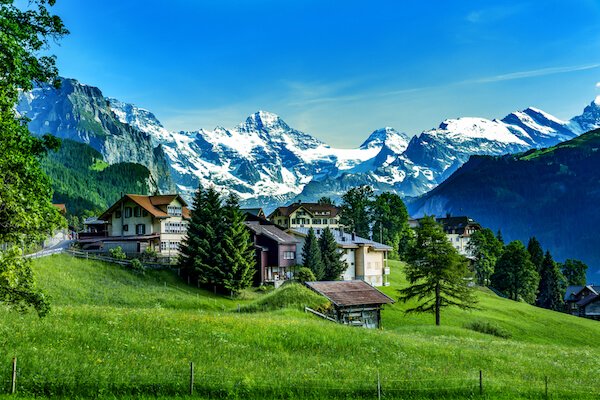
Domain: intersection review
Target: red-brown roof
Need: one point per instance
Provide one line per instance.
(150, 204)
(350, 293)
(61, 207)
(312, 208)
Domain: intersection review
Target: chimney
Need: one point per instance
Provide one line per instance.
(353, 236)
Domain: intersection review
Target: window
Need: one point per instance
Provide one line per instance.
(144, 213)
(140, 229)
(316, 221)
(175, 227)
(117, 214)
(333, 221)
(169, 246)
(137, 211)
(289, 255)
(125, 228)
(174, 210)
(127, 212)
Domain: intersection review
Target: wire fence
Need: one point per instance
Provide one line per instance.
(188, 380)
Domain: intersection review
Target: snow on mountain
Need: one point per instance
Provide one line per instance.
(589, 120)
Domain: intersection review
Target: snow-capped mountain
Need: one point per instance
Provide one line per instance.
(265, 161)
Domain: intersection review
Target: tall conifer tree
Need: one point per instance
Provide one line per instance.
(551, 289)
(333, 265)
(311, 254)
(515, 274)
(536, 253)
(238, 252)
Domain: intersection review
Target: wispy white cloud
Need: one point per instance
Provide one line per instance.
(598, 85)
(494, 13)
(532, 73)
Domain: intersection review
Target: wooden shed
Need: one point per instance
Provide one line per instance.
(355, 303)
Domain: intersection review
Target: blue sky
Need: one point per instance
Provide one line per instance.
(335, 69)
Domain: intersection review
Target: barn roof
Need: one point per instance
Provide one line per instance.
(350, 293)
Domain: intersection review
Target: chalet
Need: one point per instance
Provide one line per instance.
(138, 222)
(583, 301)
(275, 252)
(299, 215)
(366, 259)
(255, 212)
(355, 303)
(458, 230)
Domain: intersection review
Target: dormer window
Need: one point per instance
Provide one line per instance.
(174, 210)
(137, 211)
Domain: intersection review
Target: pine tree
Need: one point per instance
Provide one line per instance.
(210, 264)
(191, 247)
(333, 265)
(515, 274)
(311, 255)
(536, 253)
(551, 288)
(486, 249)
(356, 210)
(500, 237)
(436, 273)
(238, 252)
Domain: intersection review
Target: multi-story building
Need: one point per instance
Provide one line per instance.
(300, 215)
(365, 259)
(136, 222)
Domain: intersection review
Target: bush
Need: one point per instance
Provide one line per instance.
(149, 254)
(488, 328)
(117, 253)
(137, 266)
(304, 275)
(288, 296)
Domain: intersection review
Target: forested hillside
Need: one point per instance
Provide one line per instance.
(84, 181)
(551, 193)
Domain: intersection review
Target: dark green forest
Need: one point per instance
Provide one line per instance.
(552, 194)
(86, 183)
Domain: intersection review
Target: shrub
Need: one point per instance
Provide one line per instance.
(118, 253)
(137, 266)
(289, 296)
(149, 254)
(304, 275)
(488, 328)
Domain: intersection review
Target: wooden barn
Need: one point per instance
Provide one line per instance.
(355, 303)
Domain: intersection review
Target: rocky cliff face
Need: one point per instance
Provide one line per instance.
(81, 113)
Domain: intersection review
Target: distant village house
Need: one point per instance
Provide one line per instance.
(300, 215)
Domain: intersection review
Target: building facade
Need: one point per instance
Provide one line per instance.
(365, 259)
(458, 230)
(138, 222)
(300, 215)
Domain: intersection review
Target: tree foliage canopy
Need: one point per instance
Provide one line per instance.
(331, 257)
(356, 210)
(574, 272)
(486, 248)
(26, 213)
(311, 255)
(436, 273)
(515, 274)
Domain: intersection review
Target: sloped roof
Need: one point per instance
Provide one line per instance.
(343, 239)
(257, 212)
(61, 207)
(150, 204)
(350, 293)
(458, 224)
(272, 232)
(571, 292)
(312, 208)
(588, 299)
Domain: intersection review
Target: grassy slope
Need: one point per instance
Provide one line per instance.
(112, 330)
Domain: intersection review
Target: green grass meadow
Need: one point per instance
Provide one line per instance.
(113, 333)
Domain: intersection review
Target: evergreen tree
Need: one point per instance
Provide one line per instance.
(436, 273)
(405, 242)
(356, 210)
(192, 247)
(333, 265)
(574, 272)
(238, 252)
(210, 264)
(515, 274)
(536, 253)
(486, 249)
(551, 288)
(26, 212)
(500, 237)
(311, 254)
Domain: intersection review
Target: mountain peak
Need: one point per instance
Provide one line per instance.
(265, 119)
(387, 136)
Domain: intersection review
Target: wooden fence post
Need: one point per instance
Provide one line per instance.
(378, 386)
(13, 386)
(191, 378)
(480, 382)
